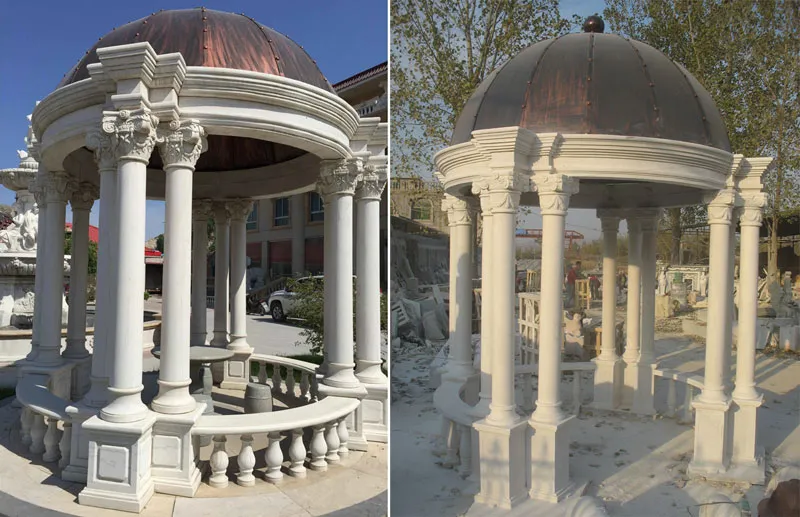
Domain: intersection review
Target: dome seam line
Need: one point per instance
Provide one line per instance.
(278, 63)
(532, 77)
(697, 101)
(651, 85)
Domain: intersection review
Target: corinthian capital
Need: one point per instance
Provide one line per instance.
(202, 209)
(58, 187)
(459, 210)
(555, 191)
(481, 189)
(133, 133)
(720, 207)
(104, 148)
(239, 209)
(372, 183)
(339, 176)
(181, 143)
(83, 196)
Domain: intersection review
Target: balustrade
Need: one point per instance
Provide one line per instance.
(290, 377)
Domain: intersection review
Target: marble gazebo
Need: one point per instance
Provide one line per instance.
(590, 120)
(208, 111)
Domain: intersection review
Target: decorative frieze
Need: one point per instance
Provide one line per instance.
(133, 133)
(181, 143)
(339, 176)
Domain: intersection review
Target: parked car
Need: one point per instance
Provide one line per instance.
(281, 302)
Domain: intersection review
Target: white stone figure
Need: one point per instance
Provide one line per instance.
(662, 282)
(703, 283)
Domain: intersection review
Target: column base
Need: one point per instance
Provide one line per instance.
(341, 375)
(457, 370)
(501, 462)
(220, 339)
(175, 469)
(127, 407)
(119, 474)
(644, 393)
(78, 467)
(369, 372)
(235, 375)
(747, 458)
(607, 385)
(711, 453)
(173, 398)
(374, 412)
(549, 461)
(355, 427)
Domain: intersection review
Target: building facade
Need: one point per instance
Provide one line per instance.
(285, 234)
(420, 201)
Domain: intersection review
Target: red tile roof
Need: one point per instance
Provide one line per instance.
(94, 236)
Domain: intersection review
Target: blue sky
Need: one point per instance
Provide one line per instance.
(43, 39)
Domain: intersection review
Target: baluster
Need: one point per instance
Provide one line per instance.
(290, 381)
(219, 463)
(440, 443)
(304, 386)
(527, 392)
(576, 392)
(451, 460)
(466, 451)
(297, 454)
(38, 429)
(686, 410)
(344, 437)
(314, 389)
(274, 458)
(25, 422)
(262, 373)
(276, 378)
(246, 461)
(65, 445)
(51, 439)
(332, 440)
(671, 398)
(318, 449)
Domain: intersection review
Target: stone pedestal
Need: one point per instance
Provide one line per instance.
(549, 461)
(174, 468)
(76, 470)
(607, 382)
(502, 463)
(712, 445)
(374, 412)
(747, 458)
(119, 474)
(235, 375)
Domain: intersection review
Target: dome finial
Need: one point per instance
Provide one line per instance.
(594, 24)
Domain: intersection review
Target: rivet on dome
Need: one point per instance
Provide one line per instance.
(651, 84)
(205, 29)
(205, 18)
(588, 103)
(205, 47)
(136, 34)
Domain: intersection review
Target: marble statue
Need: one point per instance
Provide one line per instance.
(662, 282)
(703, 283)
(22, 233)
(780, 297)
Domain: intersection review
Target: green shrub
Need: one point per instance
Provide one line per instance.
(146, 295)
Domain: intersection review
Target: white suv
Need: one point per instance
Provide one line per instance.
(281, 302)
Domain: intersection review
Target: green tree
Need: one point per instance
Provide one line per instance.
(160, 242)
(746, 55)
(92, 252)
(441, 51)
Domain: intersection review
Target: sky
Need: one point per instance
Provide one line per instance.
(43, 39)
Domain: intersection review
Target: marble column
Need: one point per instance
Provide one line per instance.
(201, 211)
(337, 183)
(81, 202)
(37, 189)
(135, 140)
(487, 290)
(222, 225)
(549, 465)
(746, 455)
(644, 392)
(298, 222)
(180, 145)
(235, 375)
(58, 187)
(608, 373)
(460, 215)
(727, 374)
(501, 435)
(634, 307)
(711, 440)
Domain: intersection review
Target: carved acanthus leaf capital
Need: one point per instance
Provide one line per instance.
(181, 143)
(554, 192)
(222, 214)
(133, 133)
(459, 210)
(104, 148)
(202, 209)
(481, 189)
(239, 209)
(750, 215)
(84, 196)
(372, 183)
(720, 207)
(609, 223)
(58, 187)
(339, 176)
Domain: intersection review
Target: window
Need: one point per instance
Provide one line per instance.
(316, 212)
(281, 216)
(252, 219)
(421, 210)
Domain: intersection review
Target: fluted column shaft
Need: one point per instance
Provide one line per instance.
(459, 213)
(368, 289)
(201, 213)
(81, 202)
(222, 251)
(239, 211)
(180, 145)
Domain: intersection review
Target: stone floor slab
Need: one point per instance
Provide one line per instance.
(273, 505)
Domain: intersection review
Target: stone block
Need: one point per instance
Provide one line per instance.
(790, 338)
(502, 463)
(664, 308)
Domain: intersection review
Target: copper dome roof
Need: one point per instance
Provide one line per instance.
(595, 83)
(213, 39)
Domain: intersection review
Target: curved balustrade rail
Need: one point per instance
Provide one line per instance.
(691, 384)
(455, 441)
(291, 377)
(526, 373)
(41, 414)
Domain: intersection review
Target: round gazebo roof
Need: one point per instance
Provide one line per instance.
(595, 83)
(213, 39)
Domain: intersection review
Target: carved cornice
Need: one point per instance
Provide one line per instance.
(339, 177)
(239, 209)
(133, 133)
(181, 143)
(372, 183)
(202, 209)
(459, 210)
(554, 192)
(84, 196)
(58, 187)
